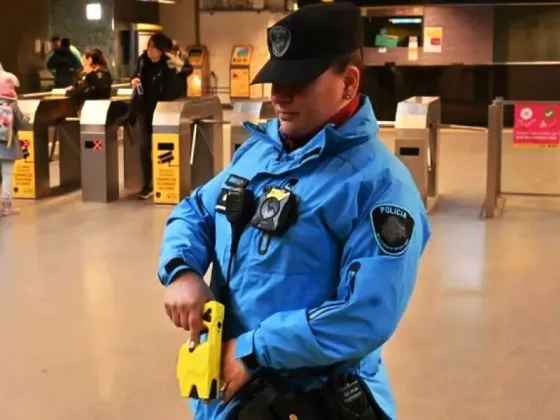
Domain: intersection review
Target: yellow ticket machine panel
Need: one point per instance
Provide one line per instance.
(198, 82)
(240, 72)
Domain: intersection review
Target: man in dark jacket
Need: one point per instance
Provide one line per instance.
(159, 76)
(64, 64)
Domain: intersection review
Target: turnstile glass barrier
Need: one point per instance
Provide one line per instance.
(102, 129)
(254, 111)
(50, 118)
(187, 146)
(417, 125)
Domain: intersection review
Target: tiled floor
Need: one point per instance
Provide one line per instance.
(83, 333)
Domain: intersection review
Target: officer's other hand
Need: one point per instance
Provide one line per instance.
(135, 82)
(234, 373)
(184, 301)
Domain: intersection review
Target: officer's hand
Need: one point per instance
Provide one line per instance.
(184, 301)
(134, 82)
(234, 373)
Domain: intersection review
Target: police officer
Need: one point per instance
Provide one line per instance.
(329, 287)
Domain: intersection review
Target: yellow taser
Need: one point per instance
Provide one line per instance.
(198, 368)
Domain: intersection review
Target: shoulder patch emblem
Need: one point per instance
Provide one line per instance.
(393, 227)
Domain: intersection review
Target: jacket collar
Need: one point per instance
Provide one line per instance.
(330, 140)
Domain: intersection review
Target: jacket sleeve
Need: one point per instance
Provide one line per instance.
(52, 62)
(189, 235)
(96, 86)
(76, 62)
(175, 80)
(76, 52)
(20, 119)
(378, 271)
(170, 86)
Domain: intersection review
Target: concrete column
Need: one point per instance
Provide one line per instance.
(68, 19)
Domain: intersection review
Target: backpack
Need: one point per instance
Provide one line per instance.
(6, 122)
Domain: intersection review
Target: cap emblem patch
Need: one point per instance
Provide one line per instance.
(280, 38)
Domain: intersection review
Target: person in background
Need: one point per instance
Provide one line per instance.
(180, 53)
(96, 79)
(56, 44)
(11, 120)
(177, 51)
(64, 65)
(159, 76)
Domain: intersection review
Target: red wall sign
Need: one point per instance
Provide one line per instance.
(536, 125)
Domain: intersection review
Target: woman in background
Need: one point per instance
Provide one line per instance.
(96, 79)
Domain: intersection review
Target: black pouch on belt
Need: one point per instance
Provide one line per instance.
(276, 398)
(352, 400)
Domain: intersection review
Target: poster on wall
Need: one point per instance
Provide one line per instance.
(536, 125)
(433, 39)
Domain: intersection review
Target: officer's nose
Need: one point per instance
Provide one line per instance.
(281, 94)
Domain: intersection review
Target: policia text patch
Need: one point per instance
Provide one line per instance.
(392, 227)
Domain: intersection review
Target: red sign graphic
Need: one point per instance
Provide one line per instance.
(536, 125)
(97, 145)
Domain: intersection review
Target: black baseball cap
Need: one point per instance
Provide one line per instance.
(304, 44)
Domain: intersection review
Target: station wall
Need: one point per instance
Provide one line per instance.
(19, 28)
(467, 38)
(178, 21)
(220, 31)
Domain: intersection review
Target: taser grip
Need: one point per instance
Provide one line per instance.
(198, 369)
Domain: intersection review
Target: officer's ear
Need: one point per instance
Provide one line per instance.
(348, 66)
(351, 79)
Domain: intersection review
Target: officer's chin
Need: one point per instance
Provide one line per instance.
(290, 128)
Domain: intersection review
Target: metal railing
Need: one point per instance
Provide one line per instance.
(38, 95)
(391, 124)
(495, 200)
(57, 132)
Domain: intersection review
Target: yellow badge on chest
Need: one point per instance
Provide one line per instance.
(276, 211)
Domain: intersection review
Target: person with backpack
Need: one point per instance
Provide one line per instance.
(11, 119)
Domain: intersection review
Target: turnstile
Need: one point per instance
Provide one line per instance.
(100, 131)
(187, 146)
(31, 175)
(417, 143)
(254, 111)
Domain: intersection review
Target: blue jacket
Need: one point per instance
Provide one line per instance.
(334, 287)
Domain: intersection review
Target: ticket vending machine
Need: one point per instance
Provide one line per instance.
(198, 83)
(240, 72)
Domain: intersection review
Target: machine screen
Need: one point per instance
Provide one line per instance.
(241, 52)
(241, 56)
(196, 56)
